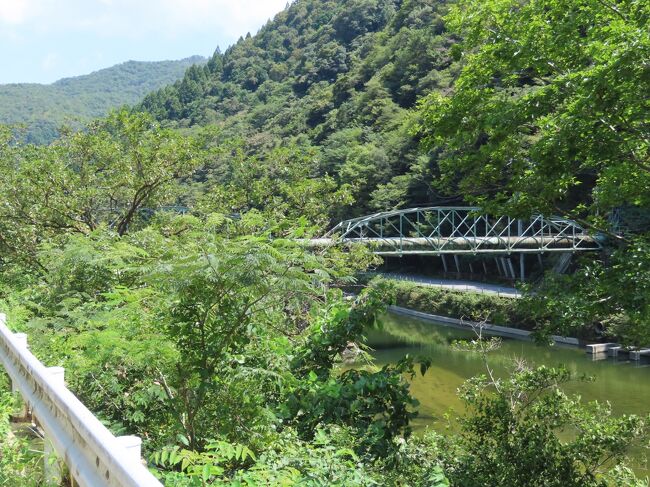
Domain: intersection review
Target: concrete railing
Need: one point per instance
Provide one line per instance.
(94, 456)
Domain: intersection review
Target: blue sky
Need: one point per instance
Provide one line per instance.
(45, 40)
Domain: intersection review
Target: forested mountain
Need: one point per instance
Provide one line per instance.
(230, 347)
(341, 77)
(44, 108)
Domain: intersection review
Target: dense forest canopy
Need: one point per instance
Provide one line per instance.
(339, 77)
(43, 109)
(157, 253)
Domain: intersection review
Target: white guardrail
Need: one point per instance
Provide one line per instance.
(95, 458)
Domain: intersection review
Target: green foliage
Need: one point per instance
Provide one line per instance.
(106, 175)
(186, 334)
(223, 301)
(226, 352)
(609, 297)
(283, 184)
(550, 110)
(324, 461)
(335, 329)
(525, 431)
(41, 110)
(549, 115)
(339, 80)
(377, 406)
(18, 466)
(470, 306)
(217, 458)
(165, 269)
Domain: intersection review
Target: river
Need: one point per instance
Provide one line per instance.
(626, 385)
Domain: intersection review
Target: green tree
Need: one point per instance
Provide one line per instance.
(609, 298)
(102, 176)
(550, 111)
(524, 430)
(550, 115)
(515, 433)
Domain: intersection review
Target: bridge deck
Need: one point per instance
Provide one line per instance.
(460, 245)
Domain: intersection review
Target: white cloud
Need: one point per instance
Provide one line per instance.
(234, 17)
(138, 18)
(92, 34)
(16, 11)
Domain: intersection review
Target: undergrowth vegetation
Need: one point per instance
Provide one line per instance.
(462, 305)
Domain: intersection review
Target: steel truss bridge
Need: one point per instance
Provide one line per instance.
(440, 230)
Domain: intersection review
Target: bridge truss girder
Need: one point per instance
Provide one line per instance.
(462, 230)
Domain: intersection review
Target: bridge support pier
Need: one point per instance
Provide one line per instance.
(522, 266)
(444, 263)
(506, 268)
(496, 261)
(512, 269)
(457, 261)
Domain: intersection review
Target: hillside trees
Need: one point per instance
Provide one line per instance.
(550, 112)
(320, 71)
(282, 184)
(39, 111)
(550, 115)
(103, 176)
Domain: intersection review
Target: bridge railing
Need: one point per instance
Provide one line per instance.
(94, 456)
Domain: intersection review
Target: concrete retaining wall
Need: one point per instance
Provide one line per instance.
(497, 330)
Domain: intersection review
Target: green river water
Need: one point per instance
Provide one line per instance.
(626, 385)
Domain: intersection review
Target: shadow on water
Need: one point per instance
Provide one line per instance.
(625, 385)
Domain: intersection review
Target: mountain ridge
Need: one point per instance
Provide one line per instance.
(43, 108)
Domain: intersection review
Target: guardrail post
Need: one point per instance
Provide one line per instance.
(21, 338)
(133, 445)
(52, 470)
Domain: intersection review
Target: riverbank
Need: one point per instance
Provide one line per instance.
(461, 305)
(490, 329)
(513, 317)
